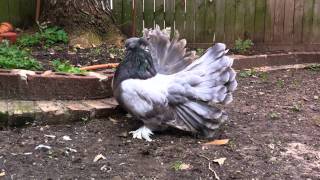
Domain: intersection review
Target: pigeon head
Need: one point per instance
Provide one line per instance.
(136, 43)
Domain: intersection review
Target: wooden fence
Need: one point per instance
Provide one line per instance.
(270, 22)
(19, 12)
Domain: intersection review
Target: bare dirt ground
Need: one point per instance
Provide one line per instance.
(274, 132)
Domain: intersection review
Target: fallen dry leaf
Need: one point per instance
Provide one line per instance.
(2, 174)
(218, 142)
(185, 166)
(98, 157)
(220, 161)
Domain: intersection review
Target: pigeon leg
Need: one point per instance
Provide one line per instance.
(142, 133)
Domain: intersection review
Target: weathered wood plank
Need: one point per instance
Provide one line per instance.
(126, 17)
(190, 21)
(159, 13)
(4, 11)
(316, 22)
(249, 19)
(200, 20)
(169, 14)
(27, 12)
(307, 20)
(148, 14)
(259, 24)
(298, 20)
(279, 20)
(210, 21)
(117, 11)
(240, 17)
(180, 17)
(269, 20)
(14, 10)
(220, 20)
(288, 21)
(229, 24)
(139, 17)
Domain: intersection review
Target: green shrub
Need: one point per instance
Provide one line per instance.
(66, 67)
(243, 46)
(11, 57)
(46, 37)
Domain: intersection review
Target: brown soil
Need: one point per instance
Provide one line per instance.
(76, 56)
(274, 132)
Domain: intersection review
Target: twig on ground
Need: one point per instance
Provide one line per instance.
(214, 172)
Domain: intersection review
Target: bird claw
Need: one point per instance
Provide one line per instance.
(142, 133)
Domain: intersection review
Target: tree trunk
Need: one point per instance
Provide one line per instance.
(87, 21)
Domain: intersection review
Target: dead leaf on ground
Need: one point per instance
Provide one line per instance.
(2, 174)
(185, 166)
(218, 142)
(113, 120)
(220, 161)
(98, 157)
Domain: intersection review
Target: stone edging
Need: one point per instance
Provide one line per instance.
(18, 113)
(31, 85)
(247, 62)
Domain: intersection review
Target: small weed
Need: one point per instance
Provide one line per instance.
(248, 73)
(65, 66)
(280, 83)
(314, 67)
(200, 51)
(96, 51)
(263, 76)
(274, 115)
(177, 165)
(296, 108)
(11, 57)
(243, 46)
(117, 52)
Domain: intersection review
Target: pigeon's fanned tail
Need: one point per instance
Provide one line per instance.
(198, 117)
(207, 81)
(169, 57)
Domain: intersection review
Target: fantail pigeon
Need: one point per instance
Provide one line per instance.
(162, 85)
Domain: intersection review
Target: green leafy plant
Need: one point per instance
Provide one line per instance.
(177, 165)
(248, 73)
(243, 46)
(66, 67)
(280, 83)
(53, 35)
(314, 67)
(11, 57)
(48, 37)
(29, 40)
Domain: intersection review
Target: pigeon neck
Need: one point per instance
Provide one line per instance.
(137, 64)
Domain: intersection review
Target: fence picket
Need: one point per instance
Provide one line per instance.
(229, 23)
(259, 24)
(159, 13)
(307, 20)
(289, 21)
(220, 18)
(240, 18)
(298, 21)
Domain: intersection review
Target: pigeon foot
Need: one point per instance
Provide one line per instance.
(142, 133)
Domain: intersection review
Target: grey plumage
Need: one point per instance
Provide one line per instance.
(183, 90)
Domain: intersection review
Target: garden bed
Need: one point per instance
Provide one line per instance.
(273, 130)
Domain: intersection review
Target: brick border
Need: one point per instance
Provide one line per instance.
(246, 62)
(30, 85)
